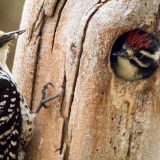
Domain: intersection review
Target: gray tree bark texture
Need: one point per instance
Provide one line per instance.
(99, 117)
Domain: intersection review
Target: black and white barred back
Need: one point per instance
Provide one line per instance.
(16, 120)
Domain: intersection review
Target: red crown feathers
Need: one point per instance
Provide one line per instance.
(138, 40)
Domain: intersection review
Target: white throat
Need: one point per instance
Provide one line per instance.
(3, 58)
(126, 70)
(3, 54)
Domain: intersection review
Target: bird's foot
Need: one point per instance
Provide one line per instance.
(44, 100)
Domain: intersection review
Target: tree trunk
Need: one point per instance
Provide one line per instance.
(100, 117)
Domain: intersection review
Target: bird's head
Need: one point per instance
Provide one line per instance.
(5, 38)
(141, 47)
(140, 50)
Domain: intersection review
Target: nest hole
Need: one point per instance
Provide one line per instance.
(134, 55)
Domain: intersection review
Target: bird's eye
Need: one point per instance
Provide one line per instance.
(124, 46)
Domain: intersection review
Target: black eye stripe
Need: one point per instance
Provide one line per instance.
(147, 60)
(143, 58)
(139, 55)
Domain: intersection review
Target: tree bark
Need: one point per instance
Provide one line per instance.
(99, 117)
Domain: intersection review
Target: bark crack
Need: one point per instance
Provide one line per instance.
(35, 70)
(93, 11)
(97, 7)
(37, 22)
(129, 146)
(60, 6)
(51, 7)
(36, 61)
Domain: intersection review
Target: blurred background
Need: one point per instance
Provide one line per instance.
(10, 17)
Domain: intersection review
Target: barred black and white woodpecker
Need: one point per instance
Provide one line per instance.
(137, 56)
(16, 119)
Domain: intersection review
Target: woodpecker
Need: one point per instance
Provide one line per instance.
(137, 56)
(16, 119)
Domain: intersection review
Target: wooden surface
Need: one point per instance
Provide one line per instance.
(100, 117)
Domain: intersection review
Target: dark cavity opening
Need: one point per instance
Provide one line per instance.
(136, 43)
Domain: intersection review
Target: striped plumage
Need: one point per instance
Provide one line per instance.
(10, 117)
(13, 119)
(16, 120)
(137, 55)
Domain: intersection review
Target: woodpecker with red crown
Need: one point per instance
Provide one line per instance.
(16, 119)
(137, 57)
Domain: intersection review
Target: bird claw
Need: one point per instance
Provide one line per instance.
(44, 92)
(44, 99)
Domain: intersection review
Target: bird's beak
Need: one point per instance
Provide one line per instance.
(8, 36)
(121, 53)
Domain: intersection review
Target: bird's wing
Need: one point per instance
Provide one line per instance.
(10, 118)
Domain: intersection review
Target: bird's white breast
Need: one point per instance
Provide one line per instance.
(126, 70)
